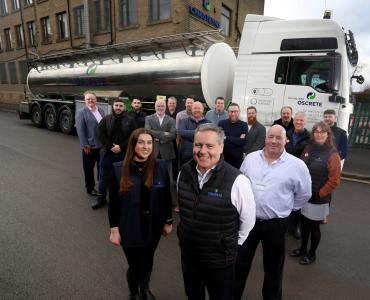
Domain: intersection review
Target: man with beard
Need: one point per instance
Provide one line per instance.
(137, 114)
(286, 119)
(339, 135)
(256, 132)
(236, 136)
(114, 132)
(217, 211)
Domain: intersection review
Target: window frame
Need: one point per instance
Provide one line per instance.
(31, 33)
(227, 18)
(47, 34)
(62, 26)
(158, 11)
(8, 39)
(127, 14)
(4, 8)
(79, 29)
(20, 43)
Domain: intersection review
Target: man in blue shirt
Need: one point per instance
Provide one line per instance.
(280, 183)
(218, 114)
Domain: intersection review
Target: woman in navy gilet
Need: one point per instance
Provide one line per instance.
(323, 162)
(140, 209)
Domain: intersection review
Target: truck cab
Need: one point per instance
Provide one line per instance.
(304, 64)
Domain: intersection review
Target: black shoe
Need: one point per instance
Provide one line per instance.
(93, 192)
(297, 252)
(99, 202)
(133, 296)
(307, 259)
(146, 294)
(297, 233)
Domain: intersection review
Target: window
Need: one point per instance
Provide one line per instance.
(160, 9)
(19, 36)
(3, 7)
(102, 15)
(8, 39)
(23, 71)
(12, 69)
(3, 74)
(1, 44)
(79, 21)
(309, 44)
(319, 72)
(31, 29)
(46, 30)
(16, 5)
(128, 15)
(225, 20)
(29, 2)
(62, 25)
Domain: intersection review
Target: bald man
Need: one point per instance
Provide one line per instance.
(280, 183)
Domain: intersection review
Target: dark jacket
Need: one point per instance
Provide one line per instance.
(209, 222)
(301, 141)
(115, 129)
(255, 138)
(234, 145)
(186, 132)
(280, 122)
(323, 162)
(340, 140)
(125, 209)
(138, 118)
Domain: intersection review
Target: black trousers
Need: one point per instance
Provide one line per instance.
(310, 228)
(294, 221)
(140, 262)
(271, 233)
(88, 162)
(219, 282)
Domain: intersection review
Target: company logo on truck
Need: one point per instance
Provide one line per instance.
(311, 95)
(91, 70)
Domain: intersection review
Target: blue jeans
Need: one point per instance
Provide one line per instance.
(106, 167)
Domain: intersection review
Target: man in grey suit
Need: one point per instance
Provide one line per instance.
(87, 120)
(256, 132)
(164, 131)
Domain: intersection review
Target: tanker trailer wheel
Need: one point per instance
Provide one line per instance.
(36, 115)
(50, 117)
(66, 121)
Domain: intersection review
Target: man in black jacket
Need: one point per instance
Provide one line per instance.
(286, 119)
(217, 211)
(137, 115)
(114, 131)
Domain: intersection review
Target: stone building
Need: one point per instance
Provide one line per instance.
(33, 28)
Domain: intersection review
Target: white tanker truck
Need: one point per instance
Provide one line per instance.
(305, 64)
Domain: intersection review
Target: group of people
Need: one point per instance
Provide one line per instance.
(236, 186)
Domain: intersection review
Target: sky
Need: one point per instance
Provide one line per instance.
(350, 14)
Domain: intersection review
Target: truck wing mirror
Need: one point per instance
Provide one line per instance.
(359, 79)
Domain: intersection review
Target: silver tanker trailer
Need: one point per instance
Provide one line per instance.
(196, 64)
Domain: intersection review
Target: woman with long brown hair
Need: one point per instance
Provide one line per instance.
(323, 162)
(140, 209)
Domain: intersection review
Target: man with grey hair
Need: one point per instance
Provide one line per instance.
(280, 183)
(217, 211)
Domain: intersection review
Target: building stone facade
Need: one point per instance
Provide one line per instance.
(34, 28)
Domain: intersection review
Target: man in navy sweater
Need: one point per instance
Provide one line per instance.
(236, 136)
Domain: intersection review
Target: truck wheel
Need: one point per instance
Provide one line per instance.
(50, 116)
(36, 116)
(66, 121)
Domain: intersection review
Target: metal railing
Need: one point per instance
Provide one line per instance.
(359, 126)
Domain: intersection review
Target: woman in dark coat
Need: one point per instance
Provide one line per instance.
(140, 209)
(323, 162)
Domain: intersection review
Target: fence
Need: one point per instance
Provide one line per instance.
(359, 126)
